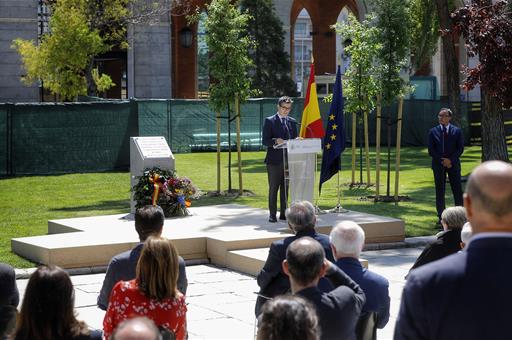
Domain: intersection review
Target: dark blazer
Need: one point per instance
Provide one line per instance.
(453, 145)
(122, 267)
(463, 296)
(272, 280)
(273, 129)
(446, 244)
(375, 287)
(339, 309)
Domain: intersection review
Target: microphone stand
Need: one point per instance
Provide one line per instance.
(338, 209)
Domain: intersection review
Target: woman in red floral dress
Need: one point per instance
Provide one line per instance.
(152, 293)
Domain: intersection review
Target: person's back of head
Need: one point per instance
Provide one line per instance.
(465, 234)
(453, 217)
(138, 328)
(305, 260)
(288, 317)
(149, 220)
(47, 311)
(488, 197)
(157, 269)
(347, 239)
(301, 216)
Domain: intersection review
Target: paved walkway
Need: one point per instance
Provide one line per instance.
(221, 301)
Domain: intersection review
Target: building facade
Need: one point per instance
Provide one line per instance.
(168, 59)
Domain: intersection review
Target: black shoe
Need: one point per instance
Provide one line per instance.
(272, 219)
(282, 217)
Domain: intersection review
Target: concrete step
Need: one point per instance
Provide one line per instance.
(210, 232)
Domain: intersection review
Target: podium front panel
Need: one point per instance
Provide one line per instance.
(301, 169)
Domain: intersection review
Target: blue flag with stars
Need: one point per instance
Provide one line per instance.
(334, 140)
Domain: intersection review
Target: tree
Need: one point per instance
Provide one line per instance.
(487, 28)
(270, 72)
(228, 65)
(424, 32)
(451, 62)
(393, 33)
(360, 88)
(62, 57)
(79, 31)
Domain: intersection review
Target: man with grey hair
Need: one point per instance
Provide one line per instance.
(347, 242)
(465, 234)
(271, 279)
(277, 129)
(448, 241)
(338, 310)
(467, 295)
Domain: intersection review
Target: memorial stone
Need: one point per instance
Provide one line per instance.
(148, 152)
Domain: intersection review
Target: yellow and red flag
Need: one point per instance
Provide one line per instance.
(311, 125)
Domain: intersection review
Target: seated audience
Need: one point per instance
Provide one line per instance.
(47, 311)
(347, 242)
(153, 293)
(288, 317)
(271, 279)
(9, 299)
(448, 241)
(149, 220)
(465, 234)
(467, 295)
(138, 328)
(338, 310)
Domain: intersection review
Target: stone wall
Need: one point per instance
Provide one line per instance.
(18, 19)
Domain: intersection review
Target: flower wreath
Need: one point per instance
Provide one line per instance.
(162, 187)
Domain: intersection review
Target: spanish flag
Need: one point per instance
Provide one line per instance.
(311, 125)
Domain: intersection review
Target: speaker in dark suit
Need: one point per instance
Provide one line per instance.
(445, 146)
(277, 129)
(467, 295)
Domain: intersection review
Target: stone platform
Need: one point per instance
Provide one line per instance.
(227, 235)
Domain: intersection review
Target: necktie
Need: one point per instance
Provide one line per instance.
(284, 121)
(443, 137)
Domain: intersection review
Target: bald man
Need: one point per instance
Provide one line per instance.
(468, 295)
(138, 328)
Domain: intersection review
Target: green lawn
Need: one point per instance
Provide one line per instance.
(27, 203)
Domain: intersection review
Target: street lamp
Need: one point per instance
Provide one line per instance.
(186, 36)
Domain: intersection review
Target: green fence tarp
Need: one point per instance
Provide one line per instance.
(53, 138)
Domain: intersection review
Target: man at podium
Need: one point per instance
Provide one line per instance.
(276, 130)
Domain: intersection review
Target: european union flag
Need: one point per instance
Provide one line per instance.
(334, 140)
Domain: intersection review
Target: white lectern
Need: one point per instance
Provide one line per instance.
(302, 168)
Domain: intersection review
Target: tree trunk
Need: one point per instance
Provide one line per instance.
(450, 59)
(238, 145)
(218, 152)
(397, 146)
(377, 149)
(367, 149)
(354, 125)
(494, 143)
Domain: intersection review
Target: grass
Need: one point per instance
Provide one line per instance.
(27, 203)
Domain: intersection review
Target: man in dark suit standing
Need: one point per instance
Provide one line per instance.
(276, 130)
(338, 310)
(467, 295)
(445, 146)
(271, 279)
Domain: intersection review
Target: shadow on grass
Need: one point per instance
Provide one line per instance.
(101, 206)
